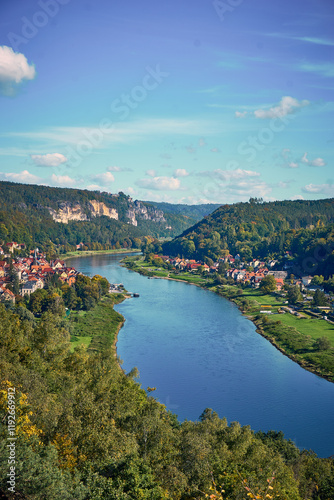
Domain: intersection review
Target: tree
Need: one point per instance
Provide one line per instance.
(322, 344)
(268, 284)
(294, 295)
(319, 299)
(317, 280)
(37, 301)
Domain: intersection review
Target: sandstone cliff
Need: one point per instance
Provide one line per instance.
(74, 211)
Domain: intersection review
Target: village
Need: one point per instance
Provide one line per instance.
(32, 272)
(251, 274)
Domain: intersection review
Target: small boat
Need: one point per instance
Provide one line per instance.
(135, 294)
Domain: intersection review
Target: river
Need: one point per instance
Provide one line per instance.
(199, 351)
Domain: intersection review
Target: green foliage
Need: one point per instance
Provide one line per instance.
(268, 284)
(25, 217)
(322, 344)
(87, 430)
(294, 294)
(319, 299)
(303, 228)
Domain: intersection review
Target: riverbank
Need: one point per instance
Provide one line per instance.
(85, 253)
(98, 328)
(294, 337)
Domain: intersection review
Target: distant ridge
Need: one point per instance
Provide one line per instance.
(258, 229)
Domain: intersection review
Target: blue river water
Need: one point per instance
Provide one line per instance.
(199, 352)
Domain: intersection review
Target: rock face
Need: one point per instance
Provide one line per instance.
(73, 211)
(100, 208)
(137, 210)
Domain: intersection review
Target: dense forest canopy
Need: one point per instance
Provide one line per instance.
(259, 230)
(25, 217)
(86, 430)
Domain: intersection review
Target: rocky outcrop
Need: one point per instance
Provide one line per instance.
(99, 208)
(136, 210)
(67, 212)
(139, 211)
(74, 211)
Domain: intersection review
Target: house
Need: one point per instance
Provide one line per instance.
(58, 264)
(279, 284)
(28, 288)
(306, 280)
(278, 274)
(240, 276)
(12, 246)
(6, 295)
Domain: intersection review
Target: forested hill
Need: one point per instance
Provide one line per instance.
(257, 230)
(193, 212)
(40, 214)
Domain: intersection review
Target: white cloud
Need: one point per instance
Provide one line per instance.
(24, 176)
(49, 160)
(181, 172)
(288, 162)
(249, 188)
(317, 162)
(104, 179)
(327, 189)
(201, 142)
(151, 173)
(160, 183)
(94, 187)
(114, 169)
(240, 114)
(119, 169)
(297, 197)
(287, 106)
(62, 180)
(14, 68)
(229, 175)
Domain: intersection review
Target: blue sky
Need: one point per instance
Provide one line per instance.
(178, 101)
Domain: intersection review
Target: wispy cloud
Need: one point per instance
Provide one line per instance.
(322, 69)
(327, 189)
(230, 175)
(120, 133)
(307, 39)
(160, 183)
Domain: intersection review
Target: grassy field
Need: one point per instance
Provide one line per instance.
(310, 326)
(99, 326)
